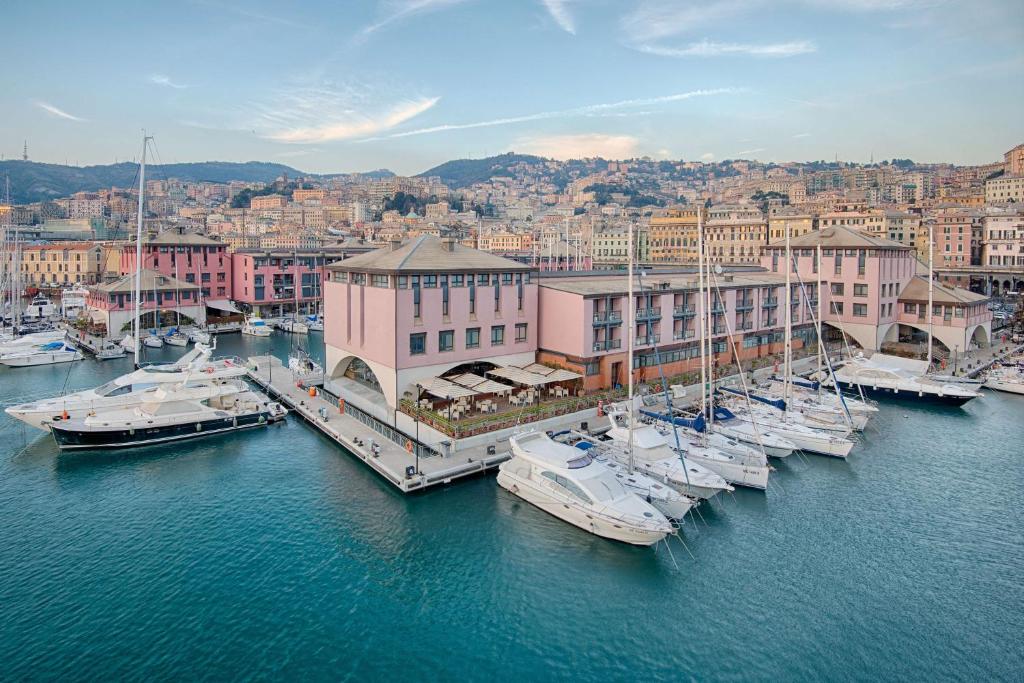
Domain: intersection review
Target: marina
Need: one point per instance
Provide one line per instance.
(239, 532)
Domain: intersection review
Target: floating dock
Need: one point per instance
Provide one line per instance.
(389, 458)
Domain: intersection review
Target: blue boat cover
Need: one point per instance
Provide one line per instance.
(773, 402)
(695, 423)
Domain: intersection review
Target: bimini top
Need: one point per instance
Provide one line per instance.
(539, 447)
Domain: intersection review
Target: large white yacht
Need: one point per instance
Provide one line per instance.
(902, 378)
(47, 354)
(169, 417)
(1010, 380)
(569, 484)
(194, 369)
(654, 457)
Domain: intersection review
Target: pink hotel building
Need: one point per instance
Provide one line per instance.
(414, 311)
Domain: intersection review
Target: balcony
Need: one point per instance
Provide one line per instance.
(607, 317)
(608, 345)
(648, 314)
(770, 303)
(685, 334)
(718, 308)
(741, 327)
(718, 329)
(644, 341)
(684, 311)
(744, 305)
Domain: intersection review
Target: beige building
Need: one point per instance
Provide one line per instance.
(735, 234)
(672, 236)
(1004, 189)
(1004, 239)
(799, 223)
(1014, 161)
(270, 201)
(57, 265)
(500, 241)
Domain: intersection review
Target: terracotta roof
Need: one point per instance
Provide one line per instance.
(428, 254)
(150, 280)
(917, 290)
(838, 237)
(175, 237)
(61, 246)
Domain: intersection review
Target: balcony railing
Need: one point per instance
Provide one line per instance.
(718, 329)
(745, 326)
(718, 308)
(744, 305)
(685, 334)
(770, 303)
(644, 341)
(607, 345)
(684, 311)
(648, 314)
(607, 317)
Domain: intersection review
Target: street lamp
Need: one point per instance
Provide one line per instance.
(956, 349)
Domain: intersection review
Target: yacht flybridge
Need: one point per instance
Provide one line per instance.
(570, 484)
(196, 369)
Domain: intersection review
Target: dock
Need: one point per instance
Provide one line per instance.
(389, 452)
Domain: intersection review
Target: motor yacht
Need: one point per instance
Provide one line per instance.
(256, 327)
(292, 326)
(888, 376)
(47, 354)
(196, 368)
(166, 420)
(20, 343)
(570, 484)
(1010, 380)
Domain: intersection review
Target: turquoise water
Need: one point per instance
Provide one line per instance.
(273, 554)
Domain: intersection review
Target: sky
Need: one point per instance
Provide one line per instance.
(355, 85)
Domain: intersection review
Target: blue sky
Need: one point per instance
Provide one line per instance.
(406, 84)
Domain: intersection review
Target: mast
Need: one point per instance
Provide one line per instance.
(631, 317)
(709, 316)
(931, 279)
(787, 357)
(703, 314)
(821, 342)
(138, 251)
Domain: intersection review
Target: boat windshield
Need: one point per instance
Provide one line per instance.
(112, 389)
(579, 462)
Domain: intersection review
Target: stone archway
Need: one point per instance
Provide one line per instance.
(369, 384)
(980, 336)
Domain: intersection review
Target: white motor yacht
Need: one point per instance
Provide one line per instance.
(292, 326)
(196, 368)
(653, 457)
(166, 420)
(1010, 380)
(48, 354)
(569, 484)
(903, 378)
(255, 326)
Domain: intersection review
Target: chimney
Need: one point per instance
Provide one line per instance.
(395, 244)
(448, 244)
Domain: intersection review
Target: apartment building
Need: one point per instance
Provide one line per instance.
(61, 264)
(190, 257)
(1004, 189)
(273, 282)
(1003, 245)
(672, 236)
(735, 235)
(798, 223)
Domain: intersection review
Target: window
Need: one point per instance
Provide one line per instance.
(568, 486)
(457, 280)
(593, 369)
(446, 340)
(379, 281)
(429, 281)
(839, 263)
(860, 310)
(520, 333)
(497, 298)
(417, 343)
(444, 299)
(837, 289)
(860, 290)
(481, 279)
(506, 278)
(837, 307)
(861, 261)
(472, 298)
(403, 281)
(473, 338)
(497, 335)
(910, 308)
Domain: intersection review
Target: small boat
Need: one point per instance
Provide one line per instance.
(128, 343)
(153, 342)
(24, 342)
(315, 323)
(109, 351)
(199, 336)
(744, 433)
(176, 338)
(292, 326)
(48, 354)
(304, 368)
(1010, 380)
(166, 421)
(569, 484)
(256, 327)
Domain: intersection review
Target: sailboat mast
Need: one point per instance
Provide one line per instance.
(787, 350)
(708, 317)
(821, 299)
(931, 280)
(703, 314)
(138, 252)
(631, 318)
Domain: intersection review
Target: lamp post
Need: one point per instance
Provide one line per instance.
(956, 350)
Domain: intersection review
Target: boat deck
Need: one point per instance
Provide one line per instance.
(392, 459)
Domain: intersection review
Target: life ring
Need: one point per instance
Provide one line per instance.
(408, 445)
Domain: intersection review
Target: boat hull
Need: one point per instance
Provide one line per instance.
(528, 491)
(909, 396)
(68, 439)
(734, 473)
(1008, 387)
(42, 359)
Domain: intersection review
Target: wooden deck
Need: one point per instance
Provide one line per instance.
(391, 460)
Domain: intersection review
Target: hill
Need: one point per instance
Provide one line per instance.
(465, 172)
(33, 182)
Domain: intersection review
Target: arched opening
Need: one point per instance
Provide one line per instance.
(1007, 286)
(995, 287)
(354, 372)
(980, 337)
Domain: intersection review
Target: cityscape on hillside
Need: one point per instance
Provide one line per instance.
(558, 340)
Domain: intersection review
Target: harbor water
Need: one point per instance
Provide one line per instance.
(272, 554)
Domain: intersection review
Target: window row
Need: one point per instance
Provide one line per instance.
(446, 338)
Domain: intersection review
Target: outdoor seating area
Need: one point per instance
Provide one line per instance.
(460, 396)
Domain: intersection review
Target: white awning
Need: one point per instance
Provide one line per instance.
(562, 375)
(442, 388)
(467, 379)
(489, 386)
(519, 376)
(538, 369)
(222, 305)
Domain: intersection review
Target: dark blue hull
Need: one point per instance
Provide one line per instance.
(71, 439)
(908, 396)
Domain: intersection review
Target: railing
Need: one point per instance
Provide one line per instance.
(718, 308)
(607, 345)
(718, 329)
(643, 341)
(382, 428)
(745, 326)
(744, 305)
(607, 317)
(770, 303)
(684, 311)
(685, 334)
(648, 313)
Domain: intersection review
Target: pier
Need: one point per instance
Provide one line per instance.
(389, 452)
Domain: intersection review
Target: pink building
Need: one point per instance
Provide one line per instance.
(265, 280)
(164, 301)
(865, 282)
(190, 257)
(414, 311)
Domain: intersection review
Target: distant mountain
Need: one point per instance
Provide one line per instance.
(465, 172)
(33, 182)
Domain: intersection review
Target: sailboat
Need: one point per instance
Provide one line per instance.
(176, 337)
(293, 324)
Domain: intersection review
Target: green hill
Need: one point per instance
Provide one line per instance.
(465, 172)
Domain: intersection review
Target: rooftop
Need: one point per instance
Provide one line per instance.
(429, 254)
(917, 290)
(151, 280)
(838, 237)
(617, 283)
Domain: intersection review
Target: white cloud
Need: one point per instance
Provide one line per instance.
(348, 124)
(559, 11)
(748, 151)
(801, 135)
(161, 79)
(707, 48)
(397, 10)
(59, 113)
(588, 110)
(579, 146)
(707, 156)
